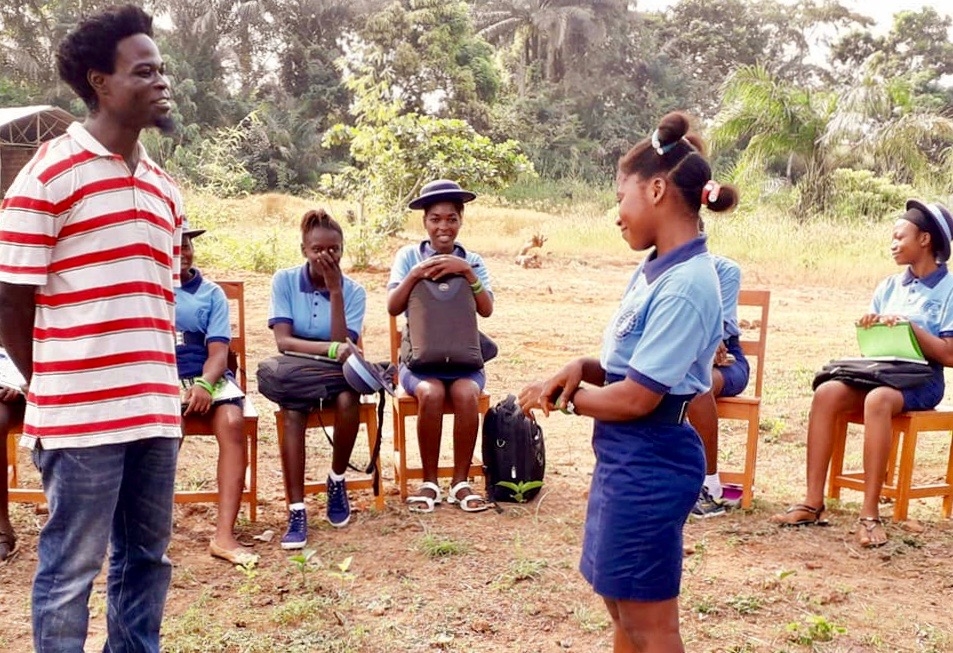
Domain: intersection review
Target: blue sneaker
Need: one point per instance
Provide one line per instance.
(707, 506)
(297, 534)
(339, 509)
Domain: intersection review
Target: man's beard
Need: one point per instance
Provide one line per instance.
(165, 124)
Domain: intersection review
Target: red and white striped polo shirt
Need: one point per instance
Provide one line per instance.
(102, 247)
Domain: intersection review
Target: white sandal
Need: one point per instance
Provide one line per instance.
(468, 499)
(422, 503)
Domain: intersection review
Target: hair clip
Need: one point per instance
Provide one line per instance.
(710, 192)
(657, 144)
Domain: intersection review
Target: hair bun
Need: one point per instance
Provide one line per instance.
(672, 127)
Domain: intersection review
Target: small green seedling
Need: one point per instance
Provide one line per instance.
(521, 488)
(300, 561)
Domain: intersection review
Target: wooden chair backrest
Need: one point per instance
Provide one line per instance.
(753, 339)
(235, 293)
(394, 340)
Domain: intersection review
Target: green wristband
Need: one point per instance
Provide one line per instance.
(205, 385)
(333, 350)
(477, 287)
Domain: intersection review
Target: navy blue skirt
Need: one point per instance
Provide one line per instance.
(645, 483)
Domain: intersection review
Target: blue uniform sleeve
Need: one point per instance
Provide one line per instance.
(669, 345)
(355, 305)
(281, 306)
(729, 279)
(479, 268)
(877, 301)
(403, 263)
(219, 326)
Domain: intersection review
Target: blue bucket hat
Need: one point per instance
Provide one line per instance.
(441, 190)
(941, 217)
(365, 378)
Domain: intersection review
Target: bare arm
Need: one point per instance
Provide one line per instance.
(17, 317)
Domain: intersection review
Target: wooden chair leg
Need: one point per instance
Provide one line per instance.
(252, 437)
(751, 456)
(948, 499)
(908, 449)
(837, 459)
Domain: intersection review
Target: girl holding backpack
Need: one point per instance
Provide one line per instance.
(657, 355)
(437, 257)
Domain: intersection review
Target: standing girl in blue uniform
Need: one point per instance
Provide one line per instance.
(657, 356)
(923, 295)
(315, 309)
(203, 333)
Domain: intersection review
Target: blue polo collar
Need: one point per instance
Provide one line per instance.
(655, 265)
(304, 282)
(192, 285)
(930, 281)
(427, 250)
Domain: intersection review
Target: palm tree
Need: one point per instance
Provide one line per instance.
(544, 30)
(871, 125)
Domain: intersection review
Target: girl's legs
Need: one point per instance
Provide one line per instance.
(465, 394)
(830, 401)
(645, 626)
(880, 405)
(347, 421)
(227, 423)
(292, 454)
(431, 395)
(7, 537)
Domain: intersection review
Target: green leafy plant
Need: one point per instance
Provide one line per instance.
(300, 561)
(520, 489)
(815, 628)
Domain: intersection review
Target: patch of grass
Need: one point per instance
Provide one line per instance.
(440, 546)
(745, 603)
(520, 569)
(591, 620)
(298, 609)
(813, 629)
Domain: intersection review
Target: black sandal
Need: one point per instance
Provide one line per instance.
(869, 524)
(814, 520)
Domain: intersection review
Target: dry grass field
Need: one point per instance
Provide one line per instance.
(507, 581)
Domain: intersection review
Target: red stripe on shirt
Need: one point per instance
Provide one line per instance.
(125, 423)
(60, 167)
(38, 240)
(107, 394)
(105, 292)
(102, 362)
(101, 328)
(138, 250)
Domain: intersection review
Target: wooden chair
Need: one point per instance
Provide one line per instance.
(325, 417)
(898, 483)
(404, 406)
(193, 425)
(748, 407)
(14, 491)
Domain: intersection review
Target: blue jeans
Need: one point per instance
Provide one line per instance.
(119, 494)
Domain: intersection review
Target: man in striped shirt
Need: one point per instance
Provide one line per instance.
(89, 238)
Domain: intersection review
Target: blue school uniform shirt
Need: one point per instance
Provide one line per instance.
(729, 281)
(295, 301)
(669, 323)
(201, 317)
(927, 302)
(410, 255)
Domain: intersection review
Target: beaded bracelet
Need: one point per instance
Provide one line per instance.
(205, 385)
(477, 287)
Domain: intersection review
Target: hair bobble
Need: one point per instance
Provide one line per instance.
(657, 144)
(710, 192)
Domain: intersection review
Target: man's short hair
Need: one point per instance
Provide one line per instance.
(92, 46)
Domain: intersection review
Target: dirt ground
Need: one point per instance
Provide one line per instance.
(507, 580)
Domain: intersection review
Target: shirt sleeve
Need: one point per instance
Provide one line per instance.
(480, 269)
(403, 262)
(877, 301)
(30, 221)
(281, 306)
(669, 345)
(354, 309)
(178, 220)
(219, 326)
(730, 283)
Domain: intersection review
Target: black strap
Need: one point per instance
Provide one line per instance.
(375, 454)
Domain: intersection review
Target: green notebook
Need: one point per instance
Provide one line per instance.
(882, 341)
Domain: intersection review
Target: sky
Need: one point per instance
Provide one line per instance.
(880, 10)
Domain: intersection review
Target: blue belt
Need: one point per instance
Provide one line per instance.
(672, 409)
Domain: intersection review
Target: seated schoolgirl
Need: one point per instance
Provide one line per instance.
(729, 378)
(923, 295)
(440, 255)
(315, 309)
(203, 333)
